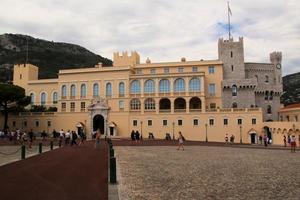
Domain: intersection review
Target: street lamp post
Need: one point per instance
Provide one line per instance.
(206, 140)
(173, 124)
(241, 140)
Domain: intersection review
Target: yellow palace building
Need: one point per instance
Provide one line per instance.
(157, 98)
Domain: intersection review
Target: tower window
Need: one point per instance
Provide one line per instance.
(267, 79)
(20, 76)
(231, 54)
(232, 68)
(234, 90)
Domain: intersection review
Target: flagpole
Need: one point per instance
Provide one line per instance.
(229, 35)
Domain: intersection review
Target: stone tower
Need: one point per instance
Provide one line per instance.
(275, 58)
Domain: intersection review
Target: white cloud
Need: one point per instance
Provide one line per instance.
(161, 29)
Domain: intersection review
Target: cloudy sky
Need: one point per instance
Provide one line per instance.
(163, 30)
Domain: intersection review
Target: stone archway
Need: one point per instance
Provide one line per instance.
(98, 123)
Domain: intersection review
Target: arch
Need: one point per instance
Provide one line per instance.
(149, 104)
(268, 133)
(179, 85)
(98, 123)
(164, 86)
(179, 103)
(234, 90)
(149, 86)
(195, 103)
(135, 87)
(43, 98)
(108, 90)
(135, 104)
(194, 85)
(64, 91)
(54, 97)
(83, 90)
(121, 89)
(73, 91)
(267, 79)
(164, 104)
(269, 109)
(234, 105)
(96, 89)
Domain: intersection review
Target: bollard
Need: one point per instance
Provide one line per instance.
(40, 147)
(112, 152)
(23, 152)
(51, 145)
(113, 171)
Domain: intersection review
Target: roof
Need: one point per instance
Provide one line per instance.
(295, 105)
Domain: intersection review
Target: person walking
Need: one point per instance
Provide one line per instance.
(97, 138)
(132, 135)
(30, 134)
(284, 140)
(266, 140)
(67, 137)
(293, 144)
(74, 138)
(180, 141)
(226, 138)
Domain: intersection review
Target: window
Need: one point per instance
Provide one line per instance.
(179, 85)
(231, 54)
(165, 122)
(164, 86)
(212, 89)
(253, 121)
(234, 105)
(166, 70)
(149, 104)
(271, 95)
(121, 104)
(211, 69)
(194, 85)
(32, 98)
(108, 90)
(96, 89)
(135, 87)
(43, 98)
(212, 105)
(121, 89)
(234, 90)
(82, 106)
(194, 69)
(179, 122)
(20, 76)
(152, 71)
(64, 91)
(73, 91)
(180, 69)
(149, 122)
(83, 91)
(14, 123)
(72, 106)
(232, 68)
(267, 79)
(195, 122)
(135, 104)
(139, 71)
(63, 106)
(288, 118)
(240, 121)
(225, 121)
(266, 95)
(149, 86)
(296, 118)
(25, 123)
(211, 122)
(281, 118)
(269, 109)
(134, 122)
(54, 98)
(256, 77)
(37, 123)
(48, 123)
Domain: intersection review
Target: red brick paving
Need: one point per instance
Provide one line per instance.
(78, 172)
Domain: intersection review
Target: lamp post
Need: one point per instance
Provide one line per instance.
(173, 124)
(206, 140)
(241, 141)
(141, 130)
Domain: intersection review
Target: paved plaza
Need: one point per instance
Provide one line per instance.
(205, 172)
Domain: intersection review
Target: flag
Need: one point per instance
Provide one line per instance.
(229, 10)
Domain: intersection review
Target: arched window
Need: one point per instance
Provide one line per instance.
(267, 79)
(266, 95)
(32, 98)
(73, 91)
(121, 89)
(195, 103)
(194, 85)
(271, 95)
(164, 86)
(43, 98)
(54, 97)
(149, 104)
(179, 85)
(149, 86)
(179, 103)
(135, 87)
(135, 104)
(269, 109)
(64, 91)
(96, 89)
(83, 90)
(234, 105)
(164, 104)
(234, 90)
(108, 90)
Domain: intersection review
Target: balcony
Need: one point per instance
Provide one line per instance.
(164, 110)
(180, 110)
(195, 110)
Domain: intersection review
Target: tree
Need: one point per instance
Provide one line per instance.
(12, 98)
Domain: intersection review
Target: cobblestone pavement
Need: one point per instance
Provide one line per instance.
(198, 172)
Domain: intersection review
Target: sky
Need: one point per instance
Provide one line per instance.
(163, 30)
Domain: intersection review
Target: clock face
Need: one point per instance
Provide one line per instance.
(278, 66)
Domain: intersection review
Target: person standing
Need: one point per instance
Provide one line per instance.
(266, 140)
(293, 144)
(284, 140)
(67, 137)
(132, 135)
(30, 134)
(74, 138)
(97, 138)
(226, 138)
(180, 141)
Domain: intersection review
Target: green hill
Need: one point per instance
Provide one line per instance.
(291, 88)
(48, 56)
